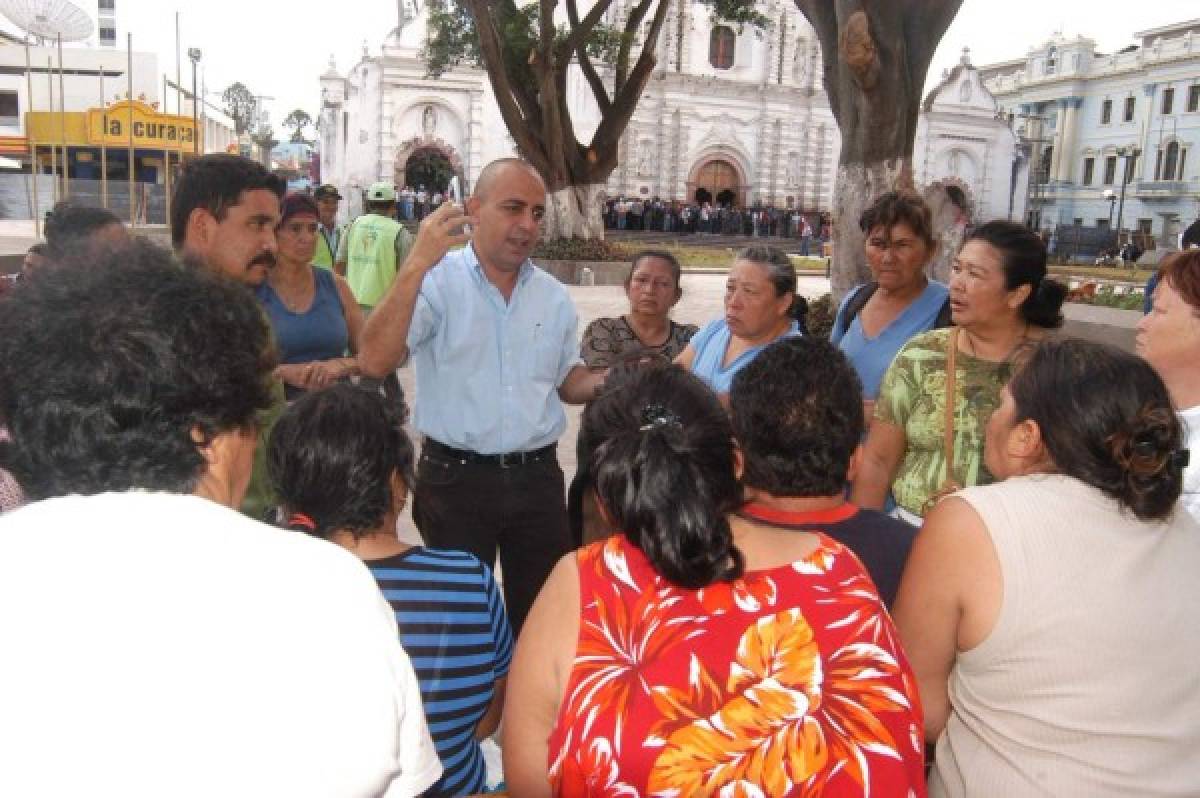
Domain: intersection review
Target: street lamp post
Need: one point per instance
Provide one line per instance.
(1128, 153)
(1111, 197)
(194, 56)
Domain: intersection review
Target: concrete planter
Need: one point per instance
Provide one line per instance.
(602, 272)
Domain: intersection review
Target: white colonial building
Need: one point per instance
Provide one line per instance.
(740, 118)
(1112, 134)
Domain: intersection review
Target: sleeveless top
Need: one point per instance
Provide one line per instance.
(789, 681)
(319, 333)
(1087, 684)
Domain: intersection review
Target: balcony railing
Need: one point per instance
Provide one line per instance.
(1165, 189)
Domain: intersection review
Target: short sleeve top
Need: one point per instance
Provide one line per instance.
(913, 397)
(710, 345)
(608, 341)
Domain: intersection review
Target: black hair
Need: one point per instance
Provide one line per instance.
(798, 416)
(38, 248)
(215, 182)
(661, 254)
(663, 470)
(1106, 419)
(899, 207)
(106, 373)
(69, 226)
(296, 204)
(782, 274)
(1024, 256)
(331, 456)
(380, 206)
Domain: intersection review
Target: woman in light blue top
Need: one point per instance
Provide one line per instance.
(760, 307)
(876, 319)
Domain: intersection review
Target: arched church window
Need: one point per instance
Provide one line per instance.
(1044, 166)
(720, 47)
(1051, 60)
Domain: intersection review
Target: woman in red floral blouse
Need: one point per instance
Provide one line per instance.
(708, 650)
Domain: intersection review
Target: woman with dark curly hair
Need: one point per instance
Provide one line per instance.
(342, 466)
(705, 650)
(1051, 617)
(154, 638)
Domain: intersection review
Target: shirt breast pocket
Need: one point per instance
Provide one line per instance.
(544, 355)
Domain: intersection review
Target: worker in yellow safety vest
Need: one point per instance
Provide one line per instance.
(372, 246)
(329, 232)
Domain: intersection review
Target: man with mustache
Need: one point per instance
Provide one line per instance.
(494, 343)
(224, 212)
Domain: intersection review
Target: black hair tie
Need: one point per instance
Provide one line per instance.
(656, 416)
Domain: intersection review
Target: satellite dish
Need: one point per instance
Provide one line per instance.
(49, 19)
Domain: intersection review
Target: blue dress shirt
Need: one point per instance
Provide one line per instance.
(488, 371)
(710, 345)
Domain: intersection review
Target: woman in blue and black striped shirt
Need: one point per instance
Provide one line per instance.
(342, 466)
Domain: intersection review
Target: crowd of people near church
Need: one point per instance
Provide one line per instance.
(725, 218)
(948, 551)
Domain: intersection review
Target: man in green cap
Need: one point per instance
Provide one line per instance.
(372, 246)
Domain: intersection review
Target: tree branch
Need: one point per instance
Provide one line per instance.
(506, 93)
(631, 26)
(577, 39)
(932, 18)
(585, 62)
(626, 99)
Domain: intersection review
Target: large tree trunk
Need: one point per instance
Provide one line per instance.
(875, 54)
(575, 212)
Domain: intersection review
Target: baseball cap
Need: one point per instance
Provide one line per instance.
(327, 190)
(381, 192)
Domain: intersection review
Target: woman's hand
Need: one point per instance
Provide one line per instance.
(317, 374)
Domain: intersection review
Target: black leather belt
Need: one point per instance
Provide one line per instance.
(506, 460)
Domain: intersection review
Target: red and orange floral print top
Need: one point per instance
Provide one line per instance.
(786, 682)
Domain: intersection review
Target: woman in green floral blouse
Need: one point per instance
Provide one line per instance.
(1002, 302)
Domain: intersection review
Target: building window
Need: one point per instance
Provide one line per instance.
(106, 5)
(1089, 167)
(1051, 60)
(1044, 166)
(1168, 101)
(1106, 112)
(1144, 226)
(1182, 163)
(10, 110)
(1168, 162)
(1110, 170)
(1193, 98)
(1130, 104)
(720, 47)
(108, 35)
(1102, 223)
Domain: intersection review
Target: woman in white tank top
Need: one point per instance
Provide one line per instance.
(1051, 617)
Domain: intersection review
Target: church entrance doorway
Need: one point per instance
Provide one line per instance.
(428, 168)
(717, 178)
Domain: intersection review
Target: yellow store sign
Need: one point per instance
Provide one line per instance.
(151, 130)
(111, 126)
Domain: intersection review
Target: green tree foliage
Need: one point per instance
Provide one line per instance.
(239, 105)
(297, 121)
(527, 52)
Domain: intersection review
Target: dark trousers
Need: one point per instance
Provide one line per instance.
(479, 508)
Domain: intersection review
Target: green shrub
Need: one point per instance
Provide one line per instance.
(1107, 297)
(821, 312)
(580, 249)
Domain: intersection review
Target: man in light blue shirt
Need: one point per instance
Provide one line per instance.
(493, 341)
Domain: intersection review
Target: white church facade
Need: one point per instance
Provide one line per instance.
(732, 117)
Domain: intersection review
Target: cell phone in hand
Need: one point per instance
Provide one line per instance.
(456, 196)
